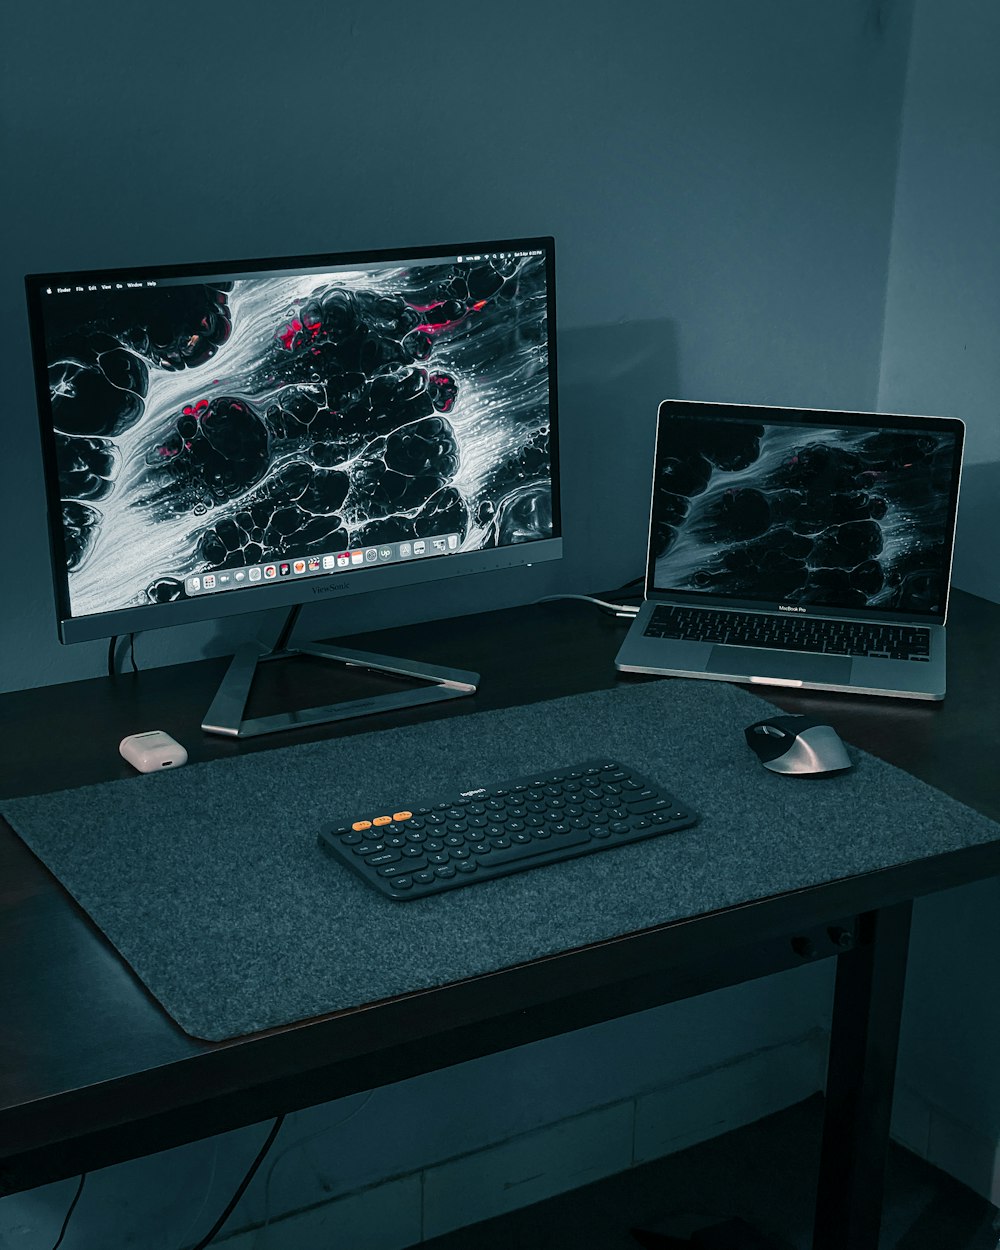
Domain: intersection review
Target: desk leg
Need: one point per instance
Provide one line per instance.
(867, 1006)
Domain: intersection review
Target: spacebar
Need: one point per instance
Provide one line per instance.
(500, 856)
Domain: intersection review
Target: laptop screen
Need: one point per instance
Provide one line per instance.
(773, 506)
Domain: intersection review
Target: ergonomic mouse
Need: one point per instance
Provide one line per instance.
(798, 747)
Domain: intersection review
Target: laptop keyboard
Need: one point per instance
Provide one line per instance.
(479, 833)
(791, 633)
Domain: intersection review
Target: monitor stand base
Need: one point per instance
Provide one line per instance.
(225, 716)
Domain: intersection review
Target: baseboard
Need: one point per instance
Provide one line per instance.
(555, 1158)
(965, 1153)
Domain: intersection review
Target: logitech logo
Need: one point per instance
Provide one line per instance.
(471, 794)
(789, 607)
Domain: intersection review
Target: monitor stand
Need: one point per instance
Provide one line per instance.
(225, 716)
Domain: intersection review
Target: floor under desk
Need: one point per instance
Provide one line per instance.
(765, 1173)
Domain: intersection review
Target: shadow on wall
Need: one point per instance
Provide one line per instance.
(976, 567)
(612, 379)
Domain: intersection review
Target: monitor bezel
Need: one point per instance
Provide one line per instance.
(261, 598)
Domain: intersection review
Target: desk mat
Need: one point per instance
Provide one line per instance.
(210, 883)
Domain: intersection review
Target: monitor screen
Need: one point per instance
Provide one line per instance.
(847, 511)
(227, 437)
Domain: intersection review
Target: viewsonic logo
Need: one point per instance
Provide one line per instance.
(789, 607)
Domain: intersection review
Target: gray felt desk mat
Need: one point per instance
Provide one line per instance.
(210, 883)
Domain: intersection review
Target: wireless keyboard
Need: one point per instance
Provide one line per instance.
(409, 850)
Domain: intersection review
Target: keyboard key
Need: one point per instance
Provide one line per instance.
(761, 629)
(646, 805)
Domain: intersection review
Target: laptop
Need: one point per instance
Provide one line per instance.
(796, 547)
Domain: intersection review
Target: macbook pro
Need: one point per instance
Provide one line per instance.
(798, 547)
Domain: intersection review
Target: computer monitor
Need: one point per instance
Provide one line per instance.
(230, 436)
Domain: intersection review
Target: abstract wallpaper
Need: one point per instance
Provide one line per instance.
(803, 514)
(211, 426)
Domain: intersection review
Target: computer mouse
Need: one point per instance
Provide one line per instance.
(798, 747)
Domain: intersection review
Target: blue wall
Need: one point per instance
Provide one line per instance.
(718, 176)
(941, 354)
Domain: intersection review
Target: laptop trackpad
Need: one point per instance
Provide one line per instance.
(786, 665)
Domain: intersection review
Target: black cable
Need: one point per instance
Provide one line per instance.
(72, 1207)
(112, 649)
(242, 1187)
(291, 620)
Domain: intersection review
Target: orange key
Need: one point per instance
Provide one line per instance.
(382, 820)
(402, 815)
(361, 824)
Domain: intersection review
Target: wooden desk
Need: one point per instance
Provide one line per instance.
(92, 1071)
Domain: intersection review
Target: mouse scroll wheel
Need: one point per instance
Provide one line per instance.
(770, 731)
